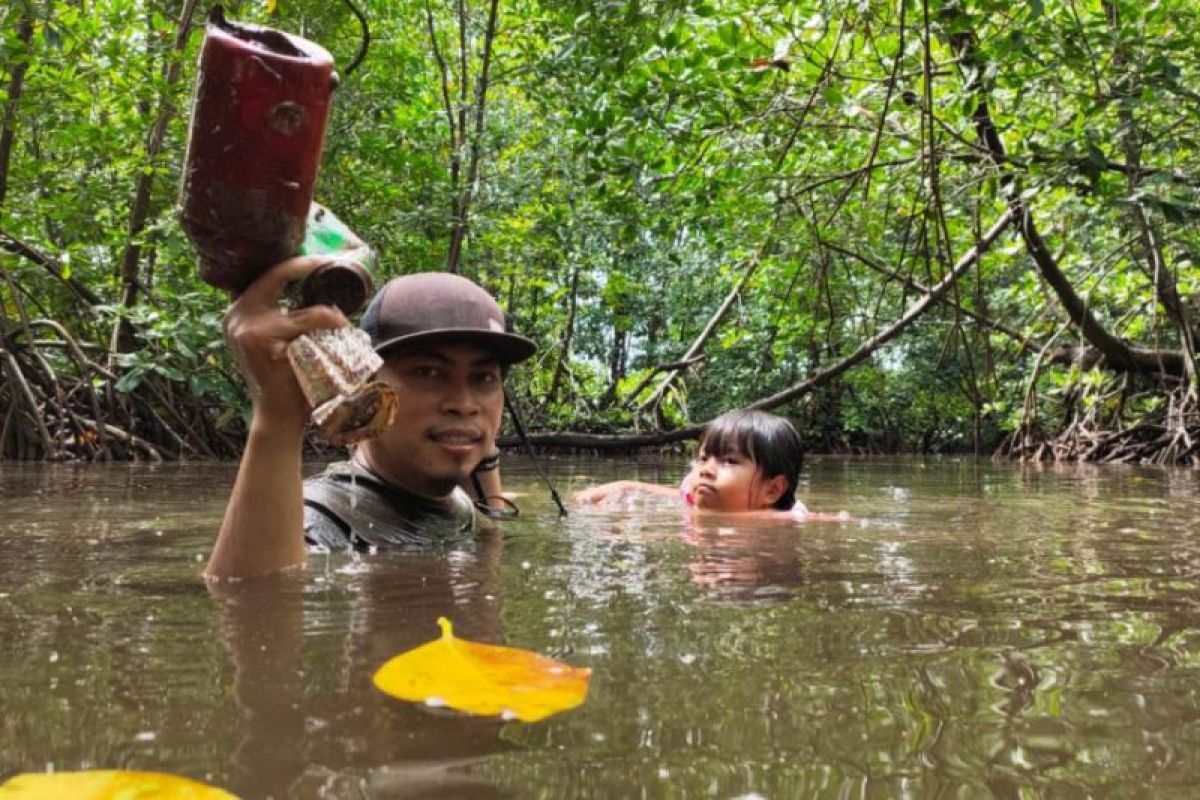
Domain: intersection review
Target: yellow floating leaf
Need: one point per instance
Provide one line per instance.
(483, 679)
(108, 784)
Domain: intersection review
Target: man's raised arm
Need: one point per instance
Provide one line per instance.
(262, 531)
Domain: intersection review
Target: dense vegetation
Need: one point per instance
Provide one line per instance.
(945, 225)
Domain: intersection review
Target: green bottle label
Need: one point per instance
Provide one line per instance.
(344, 280)
(325, 235)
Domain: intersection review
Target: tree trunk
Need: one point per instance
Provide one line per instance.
(1159, 273)
(16, 83)
(463, 188)
(122, 337)
(564, 354)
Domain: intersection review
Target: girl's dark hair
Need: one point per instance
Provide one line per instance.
(771, 442)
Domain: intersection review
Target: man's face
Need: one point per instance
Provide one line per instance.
(449, 401)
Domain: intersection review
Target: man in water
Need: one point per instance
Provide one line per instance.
(445, 351)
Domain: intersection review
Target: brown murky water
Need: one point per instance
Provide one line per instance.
(979, 629)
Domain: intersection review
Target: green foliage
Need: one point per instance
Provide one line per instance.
(639, 158)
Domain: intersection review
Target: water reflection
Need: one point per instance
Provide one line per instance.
(304, 649)
(742, 562)
(991, 630)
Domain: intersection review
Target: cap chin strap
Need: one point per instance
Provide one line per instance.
(483, 502)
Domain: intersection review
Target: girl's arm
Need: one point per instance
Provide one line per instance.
(607, 491)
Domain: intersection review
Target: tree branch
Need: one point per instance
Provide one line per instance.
(1118, 353)
(467, 190)
(16, 82)
(13, 245)
(1012, 333)
(711, 326)
(912, 314)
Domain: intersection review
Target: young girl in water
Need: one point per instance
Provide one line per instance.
(748, 461)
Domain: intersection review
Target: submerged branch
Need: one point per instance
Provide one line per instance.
(605, 442)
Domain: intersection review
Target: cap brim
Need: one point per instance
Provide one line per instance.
(508, 347)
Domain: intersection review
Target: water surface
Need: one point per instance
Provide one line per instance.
(976, 629)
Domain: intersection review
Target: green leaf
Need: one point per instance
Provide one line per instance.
(130, 381)
(169, 372)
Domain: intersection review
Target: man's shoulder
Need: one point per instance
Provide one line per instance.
(370, 513)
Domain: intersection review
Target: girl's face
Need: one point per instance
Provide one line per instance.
(733, 482)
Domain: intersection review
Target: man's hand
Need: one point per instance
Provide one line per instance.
(258, 332)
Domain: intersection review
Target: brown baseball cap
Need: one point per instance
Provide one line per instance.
(440, 307)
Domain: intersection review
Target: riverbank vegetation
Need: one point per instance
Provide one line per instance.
(916, 225)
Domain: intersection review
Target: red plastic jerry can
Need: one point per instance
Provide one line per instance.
(254, 148)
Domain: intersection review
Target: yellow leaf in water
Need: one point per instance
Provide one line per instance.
(271, 4)
(483, 679)
(107, 785)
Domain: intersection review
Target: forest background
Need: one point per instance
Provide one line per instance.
(917, 225)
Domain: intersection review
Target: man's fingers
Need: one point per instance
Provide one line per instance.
(268, 287)
(274, 330)
(313, 318)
